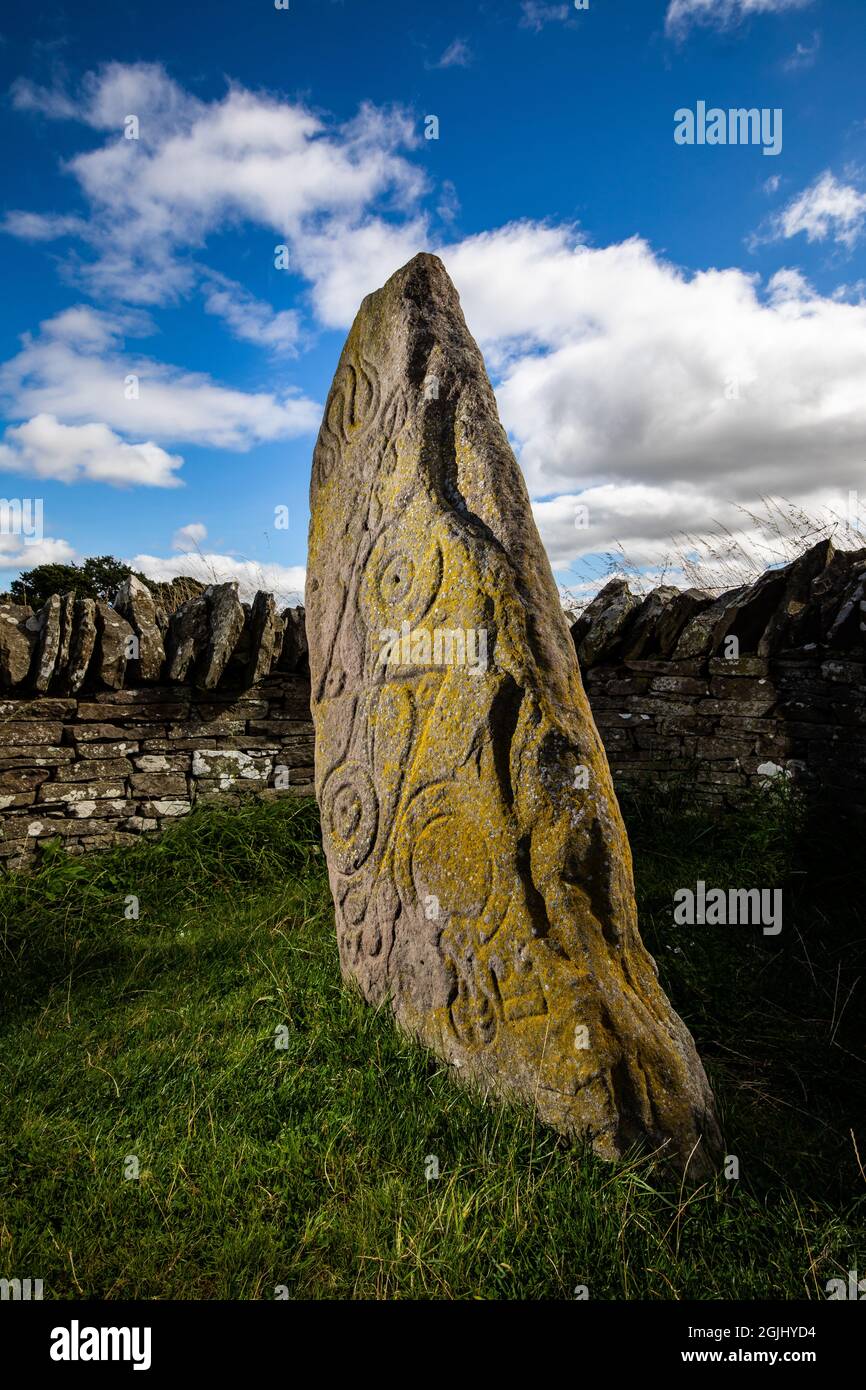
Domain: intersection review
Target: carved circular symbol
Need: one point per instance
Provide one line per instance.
(350, 816)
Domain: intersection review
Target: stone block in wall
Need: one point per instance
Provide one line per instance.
(240, 708)
(163, 762)
(108, 788)
(214, 728)
(171, 809)
(135, 602)
(750, 692)
(82, 643)
(17, 643)
(113, 635)
(752, 666)
(28, 732)
(718, 749)
(141, 825)
(118, 748)
(96, 769)
(18, 710)
(227, 766)
(150, 712)
(678, 685)
(39, 755)
(176, 745)
(158, 784)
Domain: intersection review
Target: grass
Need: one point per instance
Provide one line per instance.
(304, 1167)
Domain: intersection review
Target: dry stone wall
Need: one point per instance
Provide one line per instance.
(767, 681)
(98, 746)
(116, 720)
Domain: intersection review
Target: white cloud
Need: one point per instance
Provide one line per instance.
(37, 226)
(805, 55)
(189, 537)
(44, 448)
(674, 398)
(682, 14)
(534, 14)
(827, 208)
(457, 55)
(74, 369)
(285, 582)
(16, 556)
(200, 167)
(248, 318)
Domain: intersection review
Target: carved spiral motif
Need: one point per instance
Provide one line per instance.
(350, 816)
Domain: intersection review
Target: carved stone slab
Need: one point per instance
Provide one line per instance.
(479, 866)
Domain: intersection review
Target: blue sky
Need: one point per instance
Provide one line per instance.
(674, 331)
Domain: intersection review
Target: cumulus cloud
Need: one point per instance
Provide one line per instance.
(458, 54)
(74, 369)
(16, 556)
(189, 537)
(201, 166)
(285, 582)
(683, 14)
(249, 318)
(673, 398)
(44, 448)
(827, 208)
(534, 14)
(805, 55)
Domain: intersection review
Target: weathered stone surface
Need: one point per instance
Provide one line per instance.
(113, 634)
(266, 633)
(46, 627)
(136, 603)
(83, 643)
(477, 885)
(225, 625)
(17, 641)
(67, 623)
(604, 622)
(187, 637)
(295, 654)
(641, 640)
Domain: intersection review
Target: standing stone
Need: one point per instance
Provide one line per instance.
(478, 862)
(136, 603)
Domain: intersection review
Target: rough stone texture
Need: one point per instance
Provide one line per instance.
(266, 631)
(113, 634)
(46, 627)
(790, 703)
(83, 642)
(605, 621)
(17, 641)
(225, 625)
(187, 637)
(476, 887)
(136, 603)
